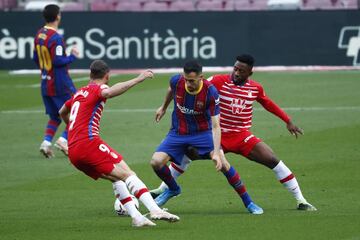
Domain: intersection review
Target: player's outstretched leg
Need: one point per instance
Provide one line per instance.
(139, 190)
(263, 154)
(176, 171)
(288, 180)
(158, 163)
(234, 180)
(173, 188)
(122, 193)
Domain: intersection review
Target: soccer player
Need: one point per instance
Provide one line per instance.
(195, 123)
(56, 84)
(237, 95)
(90, 154)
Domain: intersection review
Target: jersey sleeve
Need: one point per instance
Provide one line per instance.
(58, 53)
(271, 106)
(214, 105)
(217, 81)
(35, 54)
(173, 81)
(68, 103)
(100, 89)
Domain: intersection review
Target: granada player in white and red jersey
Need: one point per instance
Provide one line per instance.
(237, 94)
(90, 154)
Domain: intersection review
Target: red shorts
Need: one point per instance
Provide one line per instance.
(239, 142)
(94, 157)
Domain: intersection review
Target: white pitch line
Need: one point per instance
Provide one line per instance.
(37, 85)
(149, 110)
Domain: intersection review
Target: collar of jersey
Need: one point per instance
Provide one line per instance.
(50, 28)
(194, 93)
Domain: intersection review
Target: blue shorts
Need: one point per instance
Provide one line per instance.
(54, 103)
(175, 145)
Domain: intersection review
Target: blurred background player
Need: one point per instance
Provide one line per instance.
(90, 154)
(56, 84)
(237, 94)
(195, 122)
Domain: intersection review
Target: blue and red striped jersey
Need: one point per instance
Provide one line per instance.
(192, 113)
(50, 56)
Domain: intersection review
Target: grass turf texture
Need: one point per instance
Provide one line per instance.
(50, 199)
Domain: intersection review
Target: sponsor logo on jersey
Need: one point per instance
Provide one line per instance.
(186, 110)
(200, 104)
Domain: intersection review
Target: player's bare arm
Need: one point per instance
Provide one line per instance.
(293, 129)
(122, 87)
(64, 113)
(216, 131)
(160, 112)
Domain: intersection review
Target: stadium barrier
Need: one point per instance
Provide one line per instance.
(162, 40)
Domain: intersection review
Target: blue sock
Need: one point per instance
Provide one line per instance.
(65, 134)
(235, 181)
(51, 128)
(165, 175)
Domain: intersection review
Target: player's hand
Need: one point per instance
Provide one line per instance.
(160, 112)
(217, 160)
(146, 74)
(75, 51)
(294, 130)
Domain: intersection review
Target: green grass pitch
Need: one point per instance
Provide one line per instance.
(50, 199)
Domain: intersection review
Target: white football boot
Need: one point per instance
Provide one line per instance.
(142, 221)
(62, 145)
(163, 215)
(46, 149)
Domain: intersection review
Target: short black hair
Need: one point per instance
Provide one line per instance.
(192, 66)
(50, 12)
(246, 58)
(98, 69)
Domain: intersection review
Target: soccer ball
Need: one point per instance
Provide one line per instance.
(121, 210)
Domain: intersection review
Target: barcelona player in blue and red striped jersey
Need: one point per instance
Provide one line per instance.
(56, 84)
(195, 123)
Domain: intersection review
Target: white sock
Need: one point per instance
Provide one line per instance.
(140, 191)
(62, 139)
(288, 180)
(46, 142)
(177, 170)
(122, 193)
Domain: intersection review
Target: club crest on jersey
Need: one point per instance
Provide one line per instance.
(237, 105)
(249, 93)
(199, 104)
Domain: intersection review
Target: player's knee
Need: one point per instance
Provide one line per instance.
(55, 118)
(156, 163)
(121, 173)
(270, 160)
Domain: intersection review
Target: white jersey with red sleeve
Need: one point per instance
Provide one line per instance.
(86, 108)
(236, 103)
